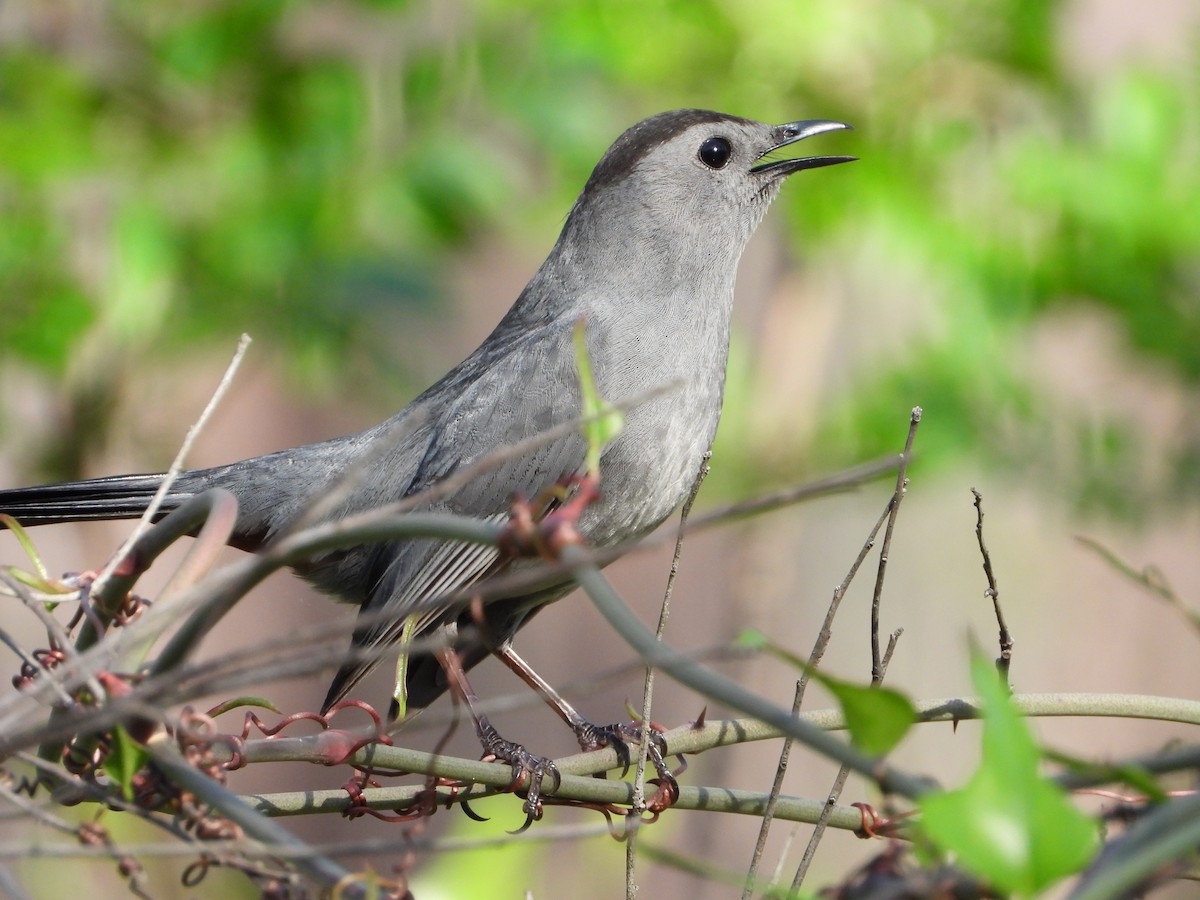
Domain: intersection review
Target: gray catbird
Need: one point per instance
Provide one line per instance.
(647, 258)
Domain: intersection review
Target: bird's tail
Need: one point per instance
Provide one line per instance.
(115, 497)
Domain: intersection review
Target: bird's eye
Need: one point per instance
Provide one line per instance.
(715, 152)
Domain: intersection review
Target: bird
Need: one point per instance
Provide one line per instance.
(646, 259)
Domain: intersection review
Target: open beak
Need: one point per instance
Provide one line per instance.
(798, 131)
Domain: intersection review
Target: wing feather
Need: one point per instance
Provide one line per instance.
(476, 417)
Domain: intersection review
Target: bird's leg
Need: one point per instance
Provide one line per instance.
(590, 736)
(525, 766)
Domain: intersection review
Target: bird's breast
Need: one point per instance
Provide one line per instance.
(676, 393)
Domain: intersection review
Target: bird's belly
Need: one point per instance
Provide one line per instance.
(645, 474)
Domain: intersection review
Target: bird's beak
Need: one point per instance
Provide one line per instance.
(798, 131)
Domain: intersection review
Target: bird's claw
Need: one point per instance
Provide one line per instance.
(529, 771)
(533, 771)
(619, 736)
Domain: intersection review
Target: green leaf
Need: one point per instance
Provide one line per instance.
(876, 717)
(1008, 825)
(602, 421)
(124, 760)
(752, 639)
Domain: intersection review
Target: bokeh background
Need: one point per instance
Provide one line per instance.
(364, 187)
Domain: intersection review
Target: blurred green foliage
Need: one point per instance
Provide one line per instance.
(174, 173)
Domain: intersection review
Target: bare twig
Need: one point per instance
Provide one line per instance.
(177, 464)
(577, 768)
(814, 660)
(879, 661)
(885, 549)
(1149, 577)
(22, 591)
(724, 690)
(10, 887)
(34, 810)
(893, 639)
(818, 653)
(835, 792)
(1004, 662)
(840, 482)
(639, 795)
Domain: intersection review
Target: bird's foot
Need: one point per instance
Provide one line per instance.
(529, 771)
(619, 736)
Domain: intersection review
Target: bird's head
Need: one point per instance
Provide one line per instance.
(695, 178)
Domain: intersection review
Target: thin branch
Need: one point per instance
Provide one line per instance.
(219, 592)
(1088, 775)
(885, 550)
(214, 512)
(639, 796)
(10, 887)
(1004, 662)
(34, 811)
(814, 660)
(177, 464)
(727, 691)
(54, 632)
(1149, 577)
(321, 869)
(879, 661)
(840, 482)
(1166, 834)
(601, 792)
(577, 770)
(688, 739)
(26, 595)
(839, 785)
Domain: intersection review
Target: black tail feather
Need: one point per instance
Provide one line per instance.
(114, 497)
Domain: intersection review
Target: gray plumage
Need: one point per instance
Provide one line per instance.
(648, 256)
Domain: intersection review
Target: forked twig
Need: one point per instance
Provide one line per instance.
(814, 660)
